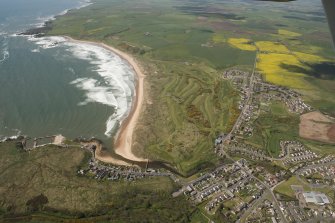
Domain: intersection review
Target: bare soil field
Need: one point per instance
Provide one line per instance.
(317, 126)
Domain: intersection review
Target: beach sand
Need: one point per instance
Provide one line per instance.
(124, 137)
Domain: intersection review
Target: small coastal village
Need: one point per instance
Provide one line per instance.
(243, 139)
(244, 186)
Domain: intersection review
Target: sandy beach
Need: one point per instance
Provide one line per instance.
(124, 137)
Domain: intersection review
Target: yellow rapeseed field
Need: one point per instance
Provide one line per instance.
(274, 60)
(287, 33)
(309, 58)
(242, 44)
(271, 65)
(273, 47)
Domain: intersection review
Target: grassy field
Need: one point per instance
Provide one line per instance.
(285, 188)
(272, 126)
(276, 124)
(51, 171)
(184, 50)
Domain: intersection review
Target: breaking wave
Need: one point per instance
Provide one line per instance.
(84, 3)
(114, 85)
(47, 43)
(116, 89)
(4, 52)
(5, 138)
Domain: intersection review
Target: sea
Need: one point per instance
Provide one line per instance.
(53, 86)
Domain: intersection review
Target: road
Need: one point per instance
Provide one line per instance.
(247, 103)
(253, 205)
(291, 209)
(274, 199)
(237, 125)
(250, 152)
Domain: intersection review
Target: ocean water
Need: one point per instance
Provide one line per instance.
(53, 86)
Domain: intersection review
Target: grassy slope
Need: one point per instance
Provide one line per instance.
(52, 171)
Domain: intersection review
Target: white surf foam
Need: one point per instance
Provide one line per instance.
(72, 70)
(40, 21)
(5, 55)
(47, 42)
(116, 89)
(14, 137)
(4, 52)
(95, 93)
(35, 50)
(84, 4)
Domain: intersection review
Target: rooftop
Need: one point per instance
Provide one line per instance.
(315, 197)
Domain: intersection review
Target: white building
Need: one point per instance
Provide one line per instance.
(315, 198)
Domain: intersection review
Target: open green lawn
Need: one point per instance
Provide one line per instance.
(285, 188)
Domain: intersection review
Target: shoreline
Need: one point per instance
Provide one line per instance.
(124, 136)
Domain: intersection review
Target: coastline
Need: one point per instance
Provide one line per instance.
(124, 136)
